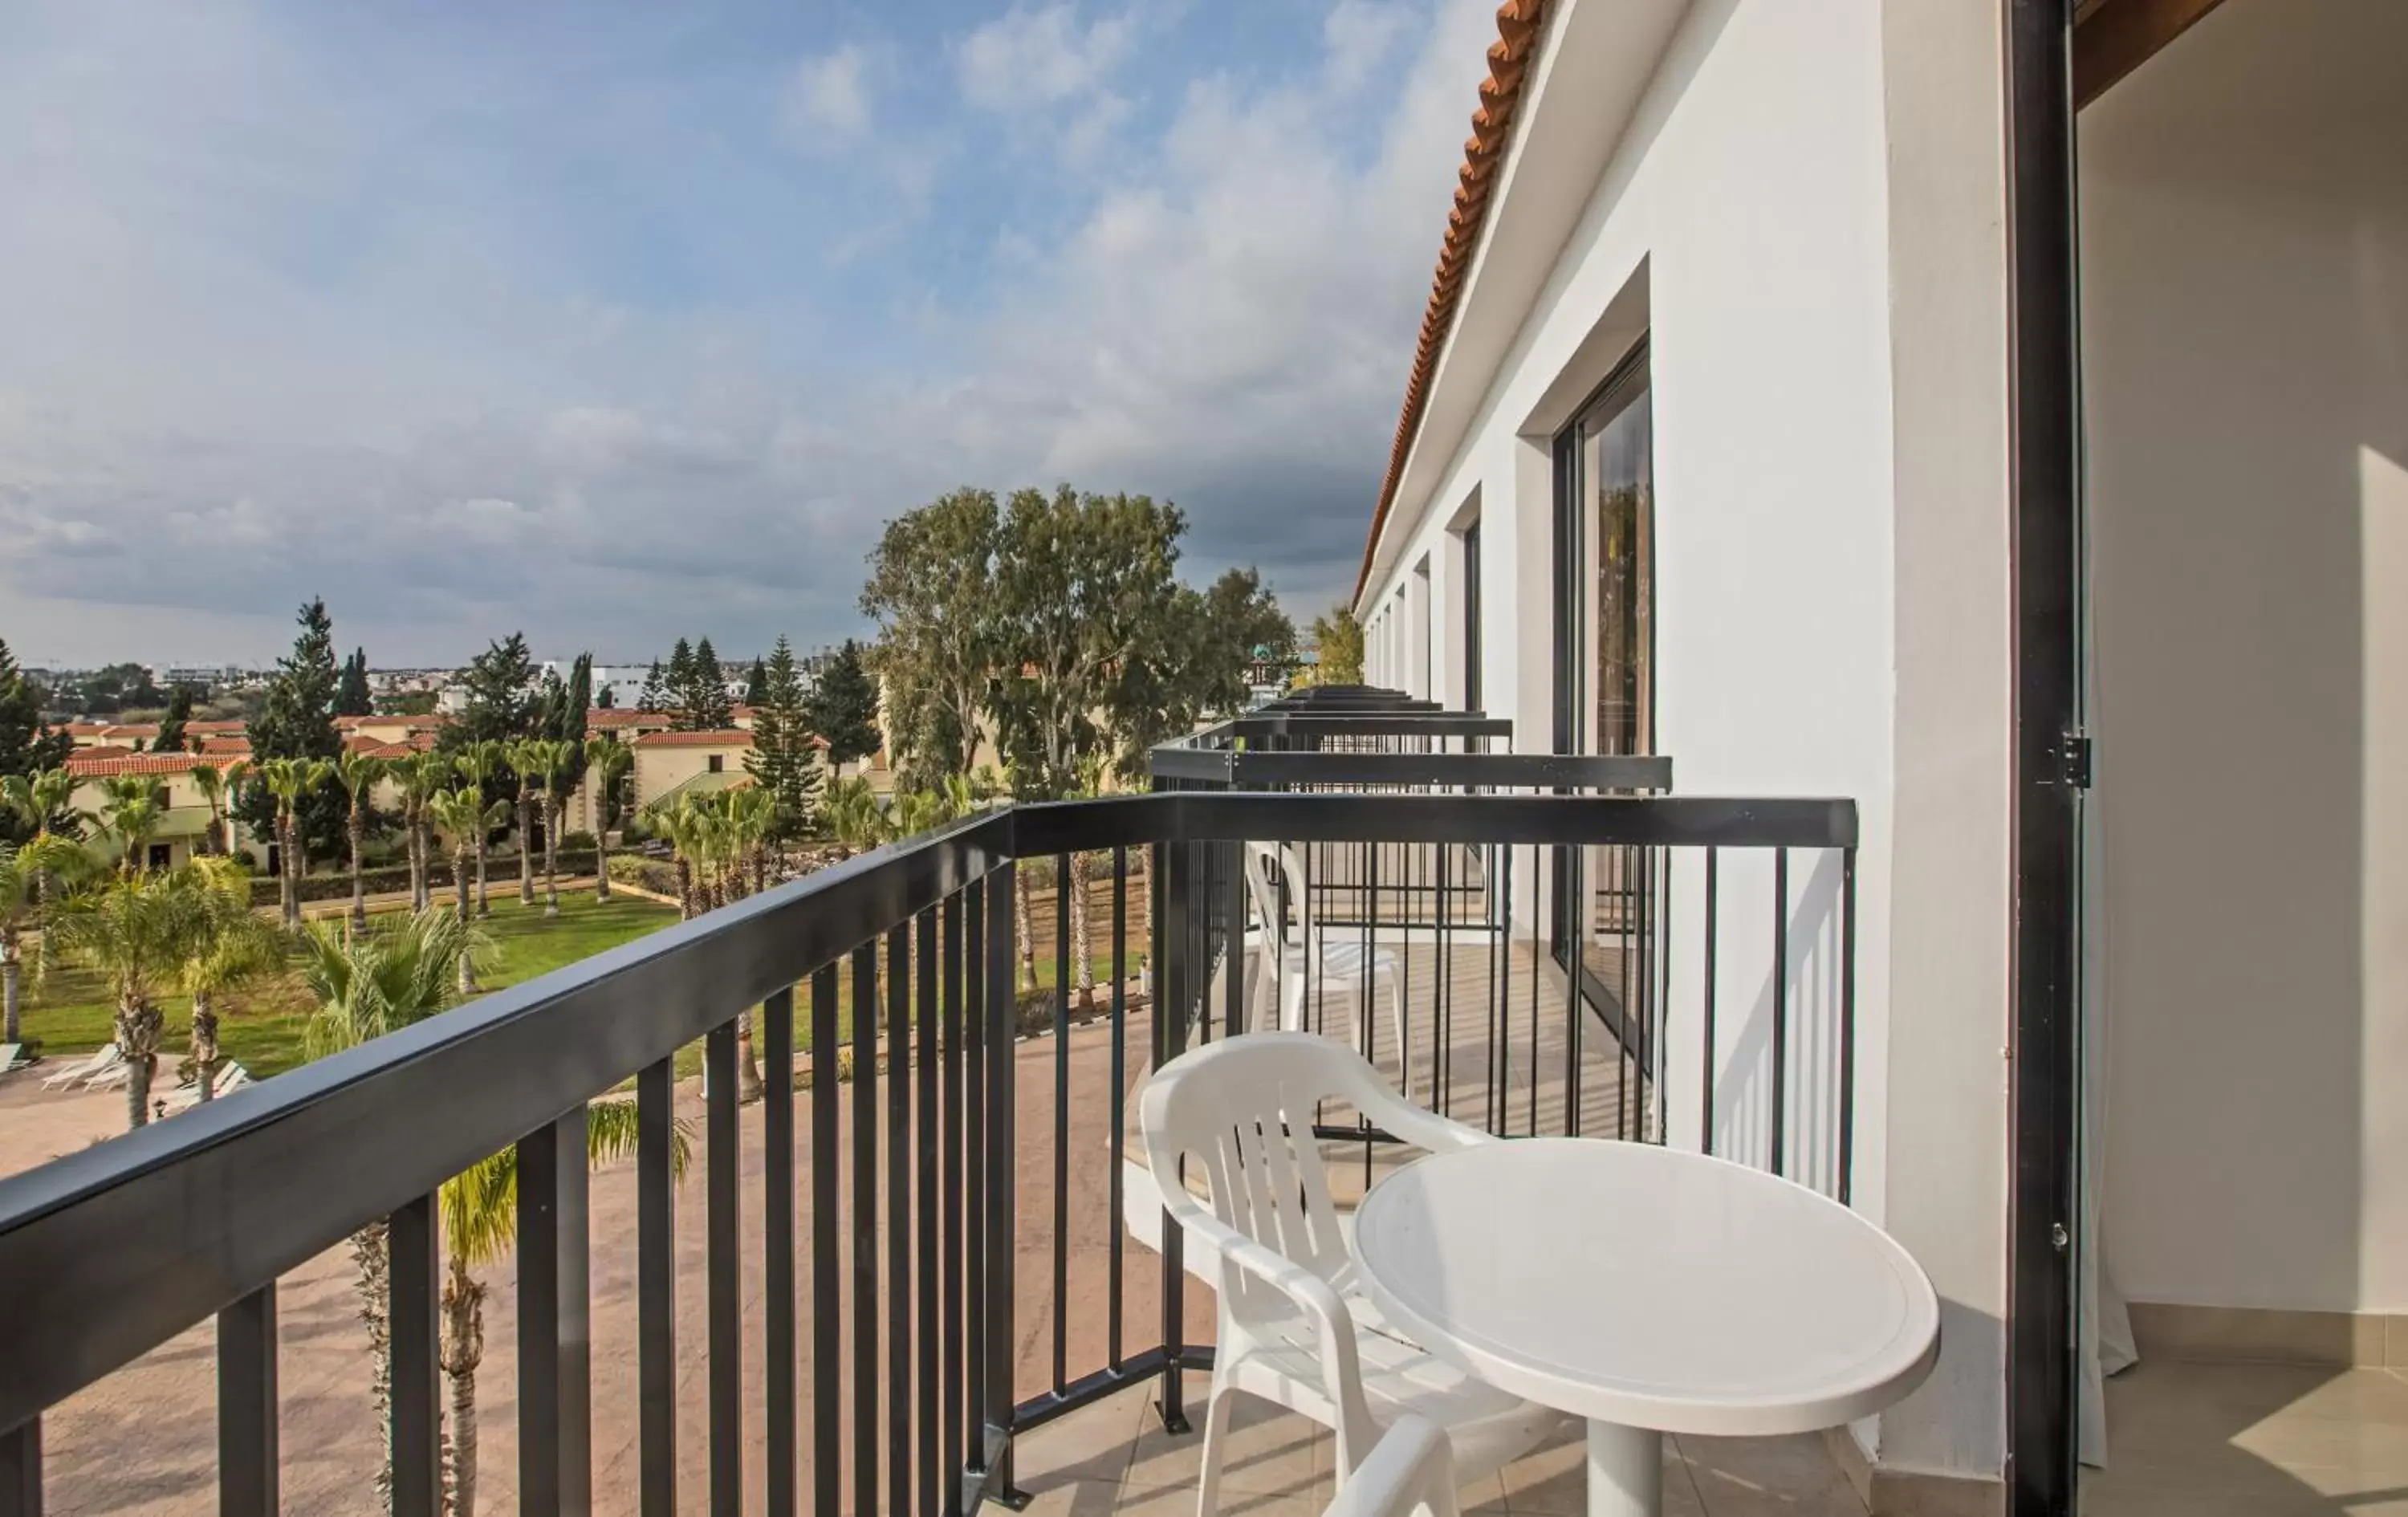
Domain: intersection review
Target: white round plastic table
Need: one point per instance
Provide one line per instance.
(1649, 1291)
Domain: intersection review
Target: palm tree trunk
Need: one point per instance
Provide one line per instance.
(359, 830)
(467, 982)
(552, 860)
(416, 848)
(527, 849)
(685, 890)
(374, 1286)
(484, 903)
(204, 1046)
(137, 1036)
(11, 971)
(464, 1349)
(288, 885)
(601, 869)
(1024, 926)
(748, 1070)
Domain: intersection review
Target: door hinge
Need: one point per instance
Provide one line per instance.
(2075, 754)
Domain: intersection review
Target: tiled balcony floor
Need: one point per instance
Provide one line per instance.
(1114, 1458)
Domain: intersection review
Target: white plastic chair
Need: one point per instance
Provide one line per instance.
(102, 1058)
(1412, 1471)
(1293, 954)
(1295, 1326)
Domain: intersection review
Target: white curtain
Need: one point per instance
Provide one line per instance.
(2103, 1325)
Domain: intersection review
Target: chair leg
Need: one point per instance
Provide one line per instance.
(1404, 1036)
(1217, 1437)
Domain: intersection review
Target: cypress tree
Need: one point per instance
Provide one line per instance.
(705, 703)
(843, 707)
(171, 726)
(297, 720)
(756, 684)
(351, 690)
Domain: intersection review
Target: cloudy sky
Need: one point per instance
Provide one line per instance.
(615, 320)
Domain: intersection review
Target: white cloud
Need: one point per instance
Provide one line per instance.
(829, 97)
(1042, 56)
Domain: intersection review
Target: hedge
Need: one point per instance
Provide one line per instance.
(395, 879)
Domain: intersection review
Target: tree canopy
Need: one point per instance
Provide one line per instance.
(297, 722)
(352, 697)
(931, 591)
(27, 745)
(503, 697)
(1339, 638)
(842, 708)
(783, 762)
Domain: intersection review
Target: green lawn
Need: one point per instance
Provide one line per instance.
(70, 1011)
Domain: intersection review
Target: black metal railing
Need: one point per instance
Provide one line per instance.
(955, 1120)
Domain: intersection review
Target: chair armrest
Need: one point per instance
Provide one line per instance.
(1341, 1369)
(1415, 1124)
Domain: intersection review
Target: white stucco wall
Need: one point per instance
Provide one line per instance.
(2245, 331)
(1831, 584)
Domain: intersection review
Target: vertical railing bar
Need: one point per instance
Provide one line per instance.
(925, 1253)
(778, 1346)
(247, 1413)
(950, 1119)
(1061, 1313)
(556, 1463)
(412, 1297)
(1780, 1009)
(866, 1367)
(1001, 1181)
(724, 1274)
(1706, 1113)
(1113, 1261)
(1847, 1023)
(975, 1292)
(1170, 880)
(898, 1219)
(657, 1290)
(827, 1263)
(21, 1469)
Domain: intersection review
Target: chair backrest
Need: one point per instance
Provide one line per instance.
(1243, 1108)
(1271, 869)
(1411, 1469)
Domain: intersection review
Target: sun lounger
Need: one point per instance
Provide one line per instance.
(111, 1077)
(13, 1057)
(88, 1067)
(234, 1077)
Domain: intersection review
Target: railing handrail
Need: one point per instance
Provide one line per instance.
(111, 1252)
(1504, 772)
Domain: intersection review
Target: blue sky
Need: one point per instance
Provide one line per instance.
(618, 322)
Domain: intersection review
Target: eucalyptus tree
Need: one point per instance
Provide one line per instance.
(933, 593)
(358, 774)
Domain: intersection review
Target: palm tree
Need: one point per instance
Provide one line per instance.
(421, 775)
(559, 757)
(230, 945)
(479, 762)
(463, 814)
(752, 816)
(358, 774)
(130, 813)
(137, 931)
(368, 984)
(531, 759)
(41, 801)
(607, 760)
(850, 809)
(25, 872)
(211, 781)
(237, 780)
(699, 834)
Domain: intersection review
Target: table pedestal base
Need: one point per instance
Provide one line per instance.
(1626, 1471)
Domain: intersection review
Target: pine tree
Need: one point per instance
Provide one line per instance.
(297, 720)
(706, 706)
(843, 707)
(784, 760)
(607, 699)
(677, 685)
(655, 691)
(27, 744)
(756, 684)
(502, 698)
(351, 690)
(171, 726)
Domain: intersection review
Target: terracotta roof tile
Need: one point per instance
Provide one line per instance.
(612, 717)
(86, 766)
(225, 728)
(1518, 22)
(720, 737)
(225, 748)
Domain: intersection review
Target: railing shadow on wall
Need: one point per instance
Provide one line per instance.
(897, 1346)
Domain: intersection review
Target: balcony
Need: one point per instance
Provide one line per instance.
(924, 1271)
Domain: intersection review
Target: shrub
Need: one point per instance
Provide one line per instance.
(577, 842)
